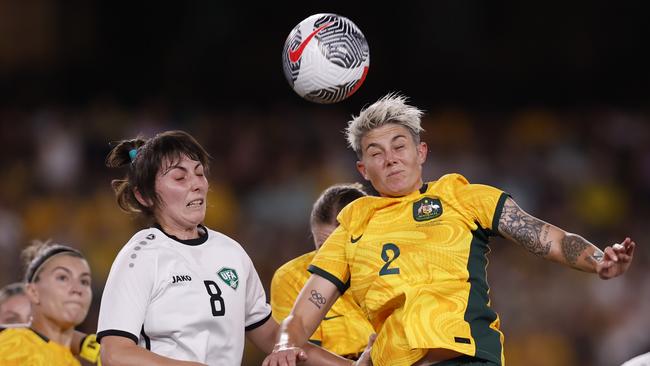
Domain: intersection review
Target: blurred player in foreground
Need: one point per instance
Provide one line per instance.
(179, 293)
(15, 307)
(58, 287)
(415, 258)
(345, 329)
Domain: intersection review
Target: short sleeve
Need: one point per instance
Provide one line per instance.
(127, 293)
(258, 311)
(331, 260)
(484, 203)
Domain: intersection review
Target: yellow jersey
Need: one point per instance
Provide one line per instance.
(25, 347)
(344, 330)
(417, 267)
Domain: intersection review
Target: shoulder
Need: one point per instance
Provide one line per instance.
(452, 180)
(221, 238)
(146, 239)
(20, 336)
(357, 209)
(224, 241)
(297, 264)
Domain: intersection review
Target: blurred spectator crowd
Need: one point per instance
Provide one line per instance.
(586, 170)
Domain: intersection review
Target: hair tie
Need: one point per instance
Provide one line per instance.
(132, 154)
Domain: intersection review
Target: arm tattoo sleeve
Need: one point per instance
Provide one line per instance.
(573, 246)
(526, 230)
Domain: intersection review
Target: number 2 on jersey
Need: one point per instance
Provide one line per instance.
(385, 270)
(215, 297)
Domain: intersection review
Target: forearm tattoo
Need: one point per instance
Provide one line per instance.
(526, 230)
(597, 256)
(572, 248)
(317, 299)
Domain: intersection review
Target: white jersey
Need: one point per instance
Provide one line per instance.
(187, 300)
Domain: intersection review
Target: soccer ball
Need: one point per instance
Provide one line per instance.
(325, 58)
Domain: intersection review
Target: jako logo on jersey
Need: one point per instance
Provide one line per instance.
(229, 276)
(181, 278)
(426, 209)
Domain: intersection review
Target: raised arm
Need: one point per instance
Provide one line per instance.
(553, 243)
(314, 301)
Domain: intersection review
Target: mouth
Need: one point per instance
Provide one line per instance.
(195, 203)
(74, 303)
(392, 174)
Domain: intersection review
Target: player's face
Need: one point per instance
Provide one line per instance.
(321, 231)
(62, 293)
(16, 309)
(182, 188)
(391, 160)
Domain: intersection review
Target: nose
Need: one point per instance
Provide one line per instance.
(199, 183)
(77, 288)
(391, 158)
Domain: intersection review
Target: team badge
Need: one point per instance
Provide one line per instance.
(426, 209)
(229, 276)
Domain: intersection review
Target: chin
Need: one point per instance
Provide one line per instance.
(397, 190)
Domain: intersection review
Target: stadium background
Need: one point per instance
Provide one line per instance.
(547, 100)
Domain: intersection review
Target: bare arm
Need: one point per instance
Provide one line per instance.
(120, 351)
(314, 301)
(264, 336)
(553, 243)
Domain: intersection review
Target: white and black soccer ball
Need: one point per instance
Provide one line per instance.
(325, 58)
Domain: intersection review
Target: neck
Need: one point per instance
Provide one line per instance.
(180, 233)
(53, 331)
(416, 187)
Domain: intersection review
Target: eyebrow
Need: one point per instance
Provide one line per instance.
(176, 166)
(377, 145)
(69, 271)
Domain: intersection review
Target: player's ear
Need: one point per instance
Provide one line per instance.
(32, 294)
(422, 150)
(141, 200)
(362, 169)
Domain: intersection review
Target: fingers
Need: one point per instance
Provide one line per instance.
(629, 248)
(624, 251)
(302, 356)
(610, 255)
(285, 357)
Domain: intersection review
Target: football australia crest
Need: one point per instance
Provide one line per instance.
(426, 209)
(229, 276)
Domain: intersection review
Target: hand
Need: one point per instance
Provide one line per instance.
(364, 359)
(616, 259)
(285, 355)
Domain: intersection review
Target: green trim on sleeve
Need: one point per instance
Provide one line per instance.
(342, 287)
(497, 212)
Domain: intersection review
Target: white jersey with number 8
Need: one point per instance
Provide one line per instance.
(188, 300)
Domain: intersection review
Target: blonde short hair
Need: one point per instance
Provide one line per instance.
(391, 108)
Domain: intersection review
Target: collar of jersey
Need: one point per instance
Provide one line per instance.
(410, 196)
(39, 334)
(203, 236)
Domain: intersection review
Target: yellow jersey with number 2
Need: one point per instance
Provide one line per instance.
(417, 267)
